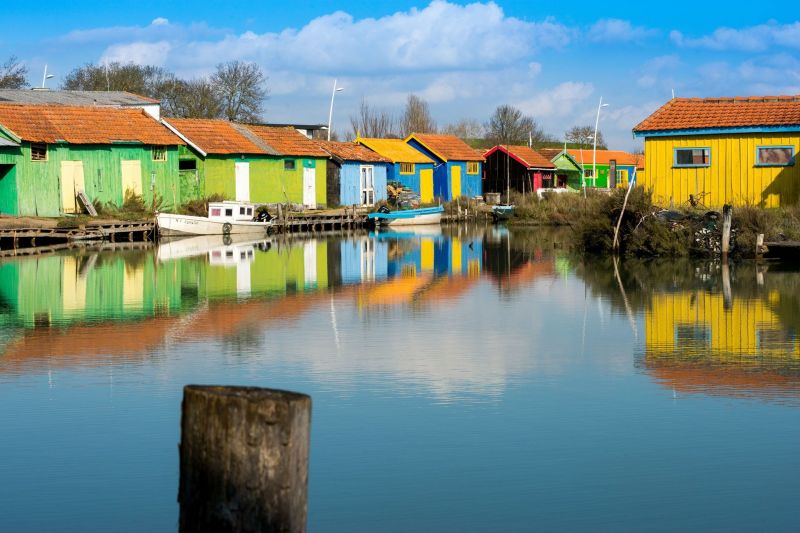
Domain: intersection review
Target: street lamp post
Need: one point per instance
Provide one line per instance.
(594, 150)
(330, 113)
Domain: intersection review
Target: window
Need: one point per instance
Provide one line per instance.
(406, 168)
(473, 167)
(187, 164)
(249, 211)
(229, 212)
(289, 164)
(38, 152)
(774, 156)
(242, 210)
(588, 173)
(692, 157)
(215, 212)
(159, 153)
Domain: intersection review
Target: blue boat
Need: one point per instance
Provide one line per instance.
(408, 217)
(502, 212)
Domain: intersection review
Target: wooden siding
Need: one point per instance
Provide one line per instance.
(732, 176)
(412, 181)
(350, 182)
(443, 175)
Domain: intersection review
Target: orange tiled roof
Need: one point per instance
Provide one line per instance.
(287, 141)
(525, 155)
(550, 153)
(448, 147)
(350, 151)
(83, 125)
(215, 136)
(603, 157)
(738, 112)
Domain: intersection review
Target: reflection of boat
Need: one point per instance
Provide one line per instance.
(224, 218)
(408, 217)
(214, 245)
(502, 212)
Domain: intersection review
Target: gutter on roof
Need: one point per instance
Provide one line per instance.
(185, 139)
(717, 131)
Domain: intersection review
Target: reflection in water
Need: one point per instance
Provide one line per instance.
(452, 372)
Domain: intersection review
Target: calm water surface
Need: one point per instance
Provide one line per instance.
(468, 380)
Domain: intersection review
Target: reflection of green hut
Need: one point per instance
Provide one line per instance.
(50, 153)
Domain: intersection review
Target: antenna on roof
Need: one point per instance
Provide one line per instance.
(45, 76)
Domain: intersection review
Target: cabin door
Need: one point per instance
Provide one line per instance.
(455, 180)
(131, 178)
(426, 185)
(71, 184)
(242, 171)
(310, 187)
(367, 185)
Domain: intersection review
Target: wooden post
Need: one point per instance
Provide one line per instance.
(727, 216)
(243, 459)
(760, 245)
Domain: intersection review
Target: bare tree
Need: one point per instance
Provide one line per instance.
(583, 136)
(508, 125)
(370, 122)
(416, 117)
(466, 129)
(190, 99)
(241, 90)
(13, 74)
(140, 79)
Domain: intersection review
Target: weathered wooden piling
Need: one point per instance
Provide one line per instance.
(243, 459)
(727, 218)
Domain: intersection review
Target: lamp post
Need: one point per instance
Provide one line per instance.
(583, 168)
(594, 150)
(330, 113)
(46, 76)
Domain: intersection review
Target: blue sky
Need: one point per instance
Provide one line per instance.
(554, 60)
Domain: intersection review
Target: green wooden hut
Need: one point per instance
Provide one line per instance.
(259, 164)
(50, 153)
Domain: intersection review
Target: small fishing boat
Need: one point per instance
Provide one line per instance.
(502, 212)
(224, 218)
(408, 217)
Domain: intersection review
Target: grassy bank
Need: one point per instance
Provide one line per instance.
(648, 230)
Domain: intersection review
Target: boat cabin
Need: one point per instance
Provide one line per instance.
(229, 211)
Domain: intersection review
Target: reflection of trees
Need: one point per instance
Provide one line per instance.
(506, 254)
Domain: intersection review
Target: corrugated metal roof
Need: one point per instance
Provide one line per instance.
(73, 98)
(396, 150)
(84, 125)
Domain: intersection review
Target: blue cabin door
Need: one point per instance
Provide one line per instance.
(367, 185)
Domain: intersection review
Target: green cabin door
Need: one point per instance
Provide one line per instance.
(455, 180)
(71, 184)
(131, 178)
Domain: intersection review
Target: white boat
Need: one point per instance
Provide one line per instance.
(224, 218)
(213, 246)
(408, 217)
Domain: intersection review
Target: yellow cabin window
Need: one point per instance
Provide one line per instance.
(38, 152)
(692, 157)
(473, 167)
(774, 156)
(406, 168)
(159, 153)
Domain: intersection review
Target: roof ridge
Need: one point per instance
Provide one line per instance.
(253, 138)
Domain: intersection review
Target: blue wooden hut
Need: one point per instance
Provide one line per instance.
(409, 167)
(458, 168)
(356, 174)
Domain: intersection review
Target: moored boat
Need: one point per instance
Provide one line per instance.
(224, 218)
(408, 217)
(502, 212)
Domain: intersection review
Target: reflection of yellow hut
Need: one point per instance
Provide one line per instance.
(698, 322)
(694, 343)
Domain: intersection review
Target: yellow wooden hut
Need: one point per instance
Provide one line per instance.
(713, 151)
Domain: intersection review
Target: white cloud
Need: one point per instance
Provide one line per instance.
(159, 21)
(618, 30)
(139, 53)
(660, 72)
(561, 101)
(752, 39)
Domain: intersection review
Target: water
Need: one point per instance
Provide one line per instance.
(470, 380)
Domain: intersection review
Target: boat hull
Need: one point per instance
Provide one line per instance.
(409, 217)
(176, 225)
